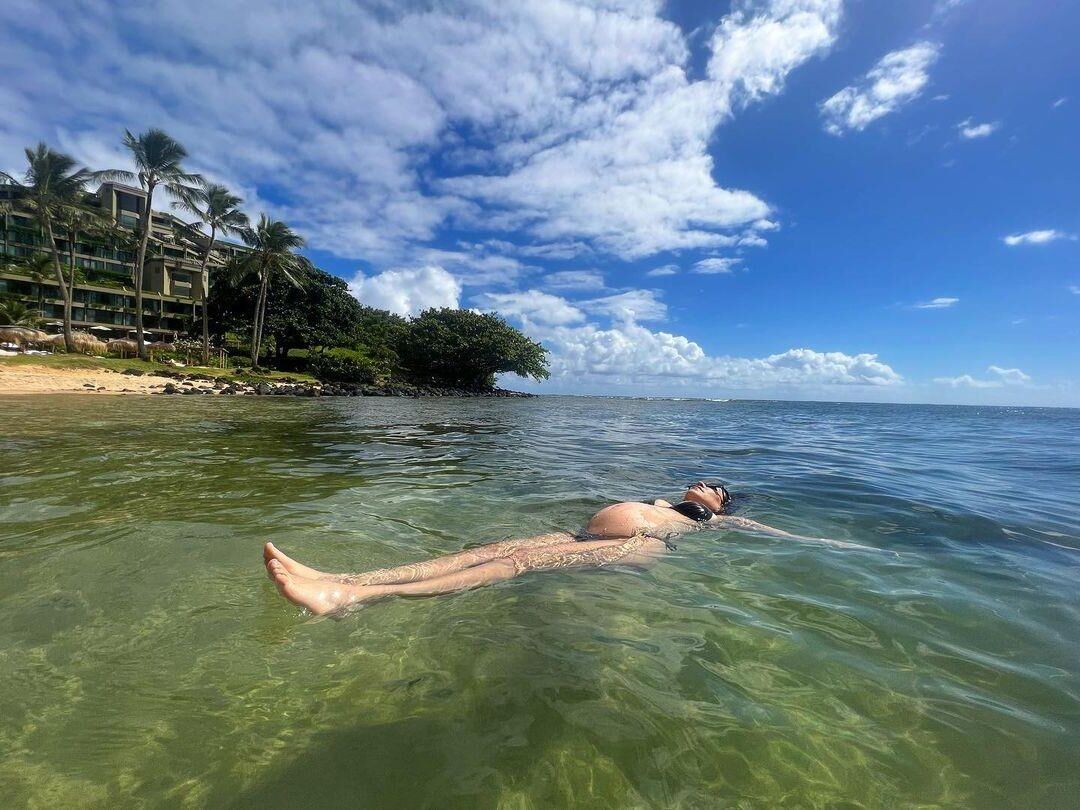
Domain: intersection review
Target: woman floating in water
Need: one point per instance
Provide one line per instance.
(624, 534)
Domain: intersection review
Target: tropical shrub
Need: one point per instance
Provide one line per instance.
(461, 348)
(342, 366)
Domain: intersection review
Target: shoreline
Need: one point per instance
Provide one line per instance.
(37, 380)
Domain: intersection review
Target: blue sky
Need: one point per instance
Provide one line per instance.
(786, 198)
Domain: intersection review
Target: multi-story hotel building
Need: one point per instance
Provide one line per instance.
(173, 286)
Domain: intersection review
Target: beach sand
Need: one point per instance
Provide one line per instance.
(19, 379)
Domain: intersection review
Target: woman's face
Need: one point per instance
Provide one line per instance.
(706, 496)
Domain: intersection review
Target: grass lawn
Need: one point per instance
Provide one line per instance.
(117, 364)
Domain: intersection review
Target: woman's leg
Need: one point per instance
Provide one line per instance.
(321, 596)
(427, 569)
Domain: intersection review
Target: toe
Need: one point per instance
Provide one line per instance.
(277, 571)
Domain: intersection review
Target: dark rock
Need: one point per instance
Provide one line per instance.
(133, 372)
(263, 389)
(170, 388)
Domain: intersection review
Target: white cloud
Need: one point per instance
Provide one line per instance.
(969, 130)
(1000, 378)
(757, 46)
(585, 130)
(664, 270)
(407, 291)
(938, 303)
(1074, 289)
(632, 305)
(715, 265)
(1059, 102)
(1009, 376)
(629, 354)
(475, 265)
(642, 182)
(898, 78)
(575, 280)
(1040, 237)
(532, 306)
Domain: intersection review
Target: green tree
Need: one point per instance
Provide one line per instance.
(218, 210)
(76, 219)
(321, 312)
(462, 348)
(159, 162)
(39, 266)
(271, 258)
(52, 182)
(15, 313)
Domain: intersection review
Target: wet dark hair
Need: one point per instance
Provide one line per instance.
(694, 511)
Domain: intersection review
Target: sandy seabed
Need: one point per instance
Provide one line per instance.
(48, 380)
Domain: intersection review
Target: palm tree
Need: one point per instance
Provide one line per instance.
(15, 313)
(38, 266)
(76, 219)
(52, 181)
(272, 244)
(219, 210)
(159, 161)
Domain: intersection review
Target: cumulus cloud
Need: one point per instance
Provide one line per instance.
(532, 306)
(629, 353)
(715, 265)
(408, 291)
(1040, 237)
(938, 303)
(969, 130)
(1000, 377)
(626, 353)
(897, 79)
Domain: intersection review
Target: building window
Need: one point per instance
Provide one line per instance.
(129, 202)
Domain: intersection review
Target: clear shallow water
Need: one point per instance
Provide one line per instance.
(145, 660)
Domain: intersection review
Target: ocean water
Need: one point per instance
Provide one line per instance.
(145, 660)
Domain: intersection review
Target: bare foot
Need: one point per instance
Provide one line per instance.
(317, 596)
(272, 552)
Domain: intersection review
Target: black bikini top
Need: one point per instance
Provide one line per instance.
(695, 511)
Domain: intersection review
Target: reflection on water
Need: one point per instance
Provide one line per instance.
(145, 659)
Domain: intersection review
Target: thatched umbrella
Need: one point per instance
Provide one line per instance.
(123, 347)
(84, 343)
(21, 335)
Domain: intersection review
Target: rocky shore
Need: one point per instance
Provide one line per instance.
(44, 379)
(205, 384)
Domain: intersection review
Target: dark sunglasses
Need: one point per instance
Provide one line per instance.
(725, 496)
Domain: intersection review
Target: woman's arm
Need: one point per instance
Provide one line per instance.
(730, 521)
